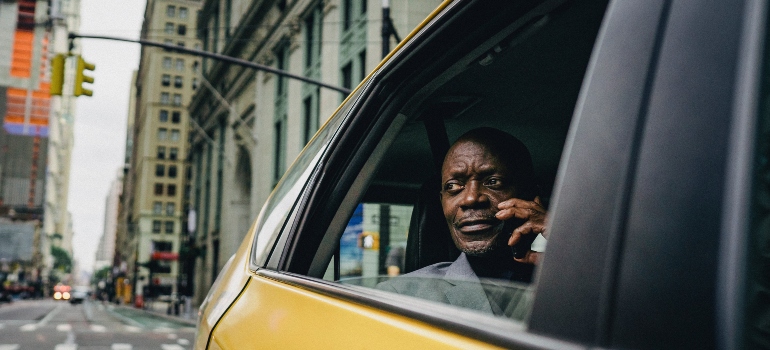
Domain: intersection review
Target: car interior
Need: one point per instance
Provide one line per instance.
(524, 80)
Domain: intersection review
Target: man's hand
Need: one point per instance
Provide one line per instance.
(535, 218)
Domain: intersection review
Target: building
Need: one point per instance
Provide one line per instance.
(245, 140)
(156, 176)
(36, 137)
(105, 252)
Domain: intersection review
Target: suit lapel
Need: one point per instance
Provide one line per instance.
(466, 290)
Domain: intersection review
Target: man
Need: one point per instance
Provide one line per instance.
(490, 203)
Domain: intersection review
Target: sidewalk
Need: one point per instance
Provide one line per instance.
(160, 309)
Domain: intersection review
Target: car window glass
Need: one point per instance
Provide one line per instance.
(282, 200)
(397, 238)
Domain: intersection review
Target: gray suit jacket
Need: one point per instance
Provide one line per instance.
(456, 284)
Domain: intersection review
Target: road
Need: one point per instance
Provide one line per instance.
(57, 325)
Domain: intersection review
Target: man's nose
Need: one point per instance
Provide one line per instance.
(473, 195)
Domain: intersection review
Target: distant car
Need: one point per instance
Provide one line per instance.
(79, 294)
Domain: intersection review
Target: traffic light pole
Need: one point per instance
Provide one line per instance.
(228, 59)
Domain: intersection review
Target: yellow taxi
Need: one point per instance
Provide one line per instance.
(649, 131)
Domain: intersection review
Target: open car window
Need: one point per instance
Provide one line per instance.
(524, 79)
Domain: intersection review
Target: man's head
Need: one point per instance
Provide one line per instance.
(483, 167)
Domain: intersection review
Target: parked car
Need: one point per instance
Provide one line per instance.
(649, 127)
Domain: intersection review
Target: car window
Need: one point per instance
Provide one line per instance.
(276, 210)
(524, 81)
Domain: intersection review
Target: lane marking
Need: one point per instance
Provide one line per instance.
(183, 341)
(28, 327)
(171, 347)
(66, 347)
(133, 329)
(121, 346)
(50, 315)
(9, 346)
(162, 330)
(98, 328)
(172, 336)
(64, 327)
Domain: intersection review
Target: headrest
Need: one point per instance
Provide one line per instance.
(429, 241)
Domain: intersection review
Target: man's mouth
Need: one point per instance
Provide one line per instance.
(477, 226)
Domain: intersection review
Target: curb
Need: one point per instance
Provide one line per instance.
(191, 322)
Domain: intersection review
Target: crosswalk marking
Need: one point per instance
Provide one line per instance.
(9, 346)
(171, 347)
(98, 328)
(28, 327)
(163, 330)
(133, 329)
(121, 346)
(66, 347)
(183, 341)
(64, 327)
(171, 336)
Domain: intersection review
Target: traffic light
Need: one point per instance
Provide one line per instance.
(81, 78)
(57, 74)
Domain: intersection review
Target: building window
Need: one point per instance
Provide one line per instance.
(309, 40)
(174, 135)
(279, 151)
(176, 117)
(167, 62)
(169, 226)
(183, 13)
(158, 189)
(160, 170)
(172, 171)
(155, 226)
(181, 29)
(180, 43)
(173, 153)
(162, 134)
(362, 65)
(307, 111)
(363, 6)
(179, 64)
(163, 116)
(161, 152)
(157, 208)
(169, 28)
(171, 190)
(177, 81)
(195, 84)
(161, 246)
(347, 75)
(281, 60)
(347, 14)
(165, 80)
(177, 100)
(170, 209)
(197, 46)
(164, 98)
(170, 11)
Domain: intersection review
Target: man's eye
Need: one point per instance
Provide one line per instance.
(493, 182)
(452, 186)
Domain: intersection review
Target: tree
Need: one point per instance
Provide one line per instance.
(101, 274)
(61, 259)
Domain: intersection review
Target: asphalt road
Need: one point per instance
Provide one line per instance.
(48, 324)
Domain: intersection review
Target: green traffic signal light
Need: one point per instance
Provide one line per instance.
(81, 78)
(57, 74)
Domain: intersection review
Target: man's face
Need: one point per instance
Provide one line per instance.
(474, 181)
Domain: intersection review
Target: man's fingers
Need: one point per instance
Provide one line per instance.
(532, 258)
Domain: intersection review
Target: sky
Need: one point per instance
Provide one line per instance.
(100, 120)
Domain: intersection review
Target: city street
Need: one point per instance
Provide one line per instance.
(49, 324)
